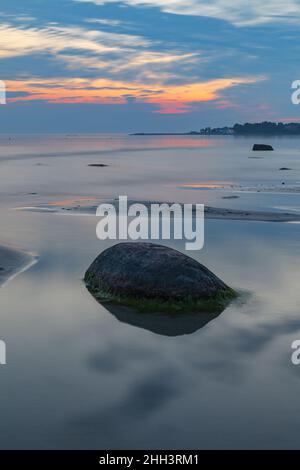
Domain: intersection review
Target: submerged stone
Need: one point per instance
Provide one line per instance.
(153, 277)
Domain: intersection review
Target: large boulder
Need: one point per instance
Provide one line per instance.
(262, 147)
(154, 277)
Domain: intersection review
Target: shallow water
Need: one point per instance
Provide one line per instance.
(77, 376)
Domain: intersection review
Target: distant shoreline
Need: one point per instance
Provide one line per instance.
(264, 129)
(164, 133)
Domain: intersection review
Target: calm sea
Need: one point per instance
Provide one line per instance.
(80, 376)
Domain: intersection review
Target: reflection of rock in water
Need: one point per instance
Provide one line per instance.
(161, 323)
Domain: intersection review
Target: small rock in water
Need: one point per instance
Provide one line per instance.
(153, 277)
(284, 169)
(262, 147)
(99, 165)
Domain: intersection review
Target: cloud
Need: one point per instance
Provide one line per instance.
(24, 41)
(139, 60)
(89, 50)
(105, 22)
(237, 12)
(167, 99)
(143, 63)
(112, 67)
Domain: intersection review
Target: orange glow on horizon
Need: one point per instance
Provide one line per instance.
(171, 99)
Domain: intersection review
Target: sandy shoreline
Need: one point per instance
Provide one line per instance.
(79, 207)
(13, 262)
(258, 216)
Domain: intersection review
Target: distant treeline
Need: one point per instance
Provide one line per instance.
(259, 128)
(267, 128)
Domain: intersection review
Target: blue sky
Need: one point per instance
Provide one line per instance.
(146, 65)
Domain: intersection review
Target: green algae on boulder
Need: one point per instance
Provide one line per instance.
(151, 277)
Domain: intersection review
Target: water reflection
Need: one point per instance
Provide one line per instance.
(80, 376)
(161, 323)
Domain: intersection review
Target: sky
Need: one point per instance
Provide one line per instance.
(147, 65)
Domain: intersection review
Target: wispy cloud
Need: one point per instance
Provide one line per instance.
(144, 58)
(238, 12)
(167, 99)
(141, 63)
(105, 22)
(22, 41)
(88, 50)
(92, 49)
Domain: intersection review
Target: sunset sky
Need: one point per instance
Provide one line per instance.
(146, 65)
